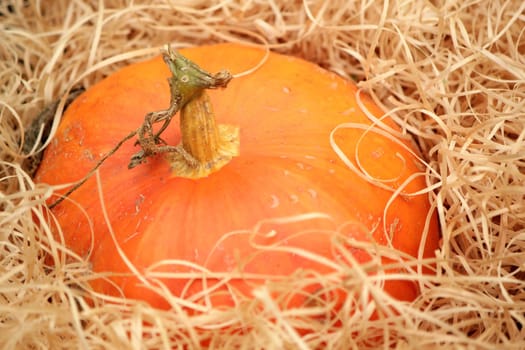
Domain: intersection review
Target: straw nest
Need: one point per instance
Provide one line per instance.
(452, 73)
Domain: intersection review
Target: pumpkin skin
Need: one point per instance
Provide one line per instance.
(286, 111)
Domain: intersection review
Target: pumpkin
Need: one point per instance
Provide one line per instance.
(286, 191)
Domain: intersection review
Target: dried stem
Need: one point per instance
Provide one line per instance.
(188, 82)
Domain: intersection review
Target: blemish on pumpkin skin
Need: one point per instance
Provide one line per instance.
(394, 227)
(312, 192)
(377, 153)
(138, 203)
(303, 166)
(196, 254)
(349, 111)
(275, 202)
(294, 198)
(74, 132)
(286, 90)
(88, 155)
(229, 261)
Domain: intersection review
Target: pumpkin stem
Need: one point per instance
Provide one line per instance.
(205, 146)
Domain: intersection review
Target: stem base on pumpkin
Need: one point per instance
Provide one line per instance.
(183, 164)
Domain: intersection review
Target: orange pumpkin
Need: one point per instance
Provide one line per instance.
(286, 111)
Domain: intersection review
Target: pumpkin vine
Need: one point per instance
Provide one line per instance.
(195, 156)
